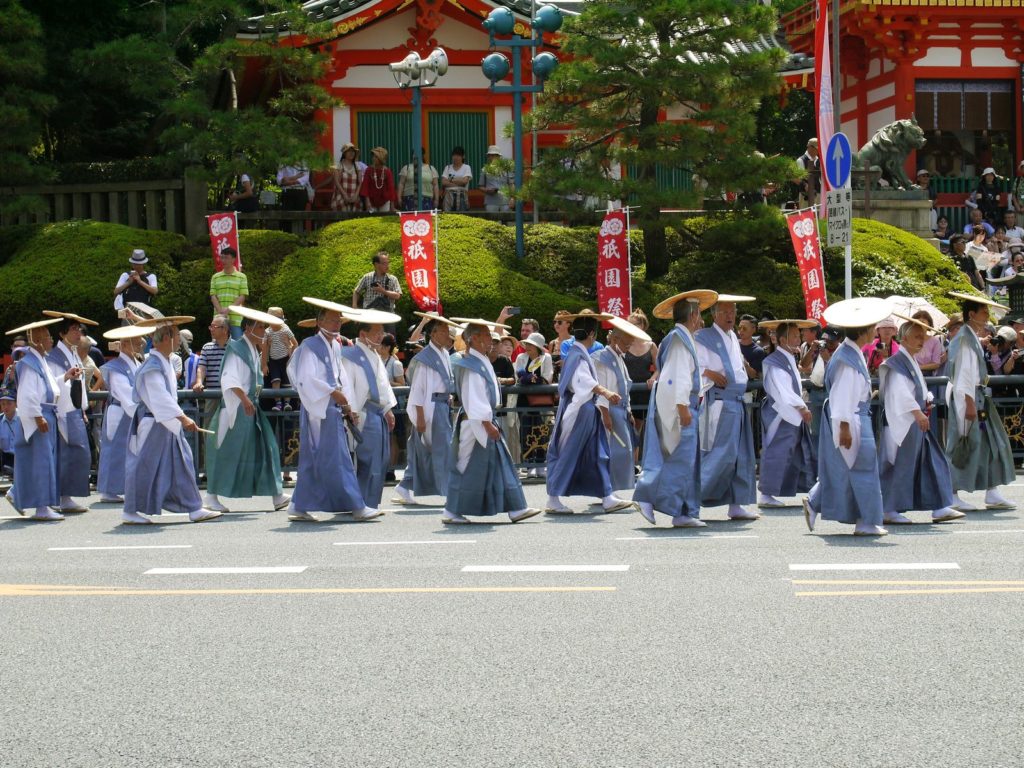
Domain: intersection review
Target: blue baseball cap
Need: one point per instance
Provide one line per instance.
(8, 394)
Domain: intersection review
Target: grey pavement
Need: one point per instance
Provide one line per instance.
(708, 650)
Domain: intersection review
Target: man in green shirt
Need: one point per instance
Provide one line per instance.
(229, 287)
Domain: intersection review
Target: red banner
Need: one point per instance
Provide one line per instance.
(614, 287)
(419, 254)
(223, 229)
(803, 229)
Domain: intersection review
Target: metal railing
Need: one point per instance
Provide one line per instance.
(527, 427)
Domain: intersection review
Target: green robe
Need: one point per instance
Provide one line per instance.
(248, 462)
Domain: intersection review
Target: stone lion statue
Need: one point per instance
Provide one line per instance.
(888, 150)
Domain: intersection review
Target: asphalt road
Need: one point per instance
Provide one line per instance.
(686, 648)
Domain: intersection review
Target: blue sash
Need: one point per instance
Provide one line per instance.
(373, 454)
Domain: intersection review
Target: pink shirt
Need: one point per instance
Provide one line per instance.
(931, 352)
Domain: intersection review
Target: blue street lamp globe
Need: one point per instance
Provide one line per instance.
(500, 21)
(548, 19)
(495, 66)
(544, 64)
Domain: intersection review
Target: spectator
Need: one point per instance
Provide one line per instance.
(978, 220)
(1016, 266)
(942, 233)
(641, 359)
(244, 199)
(277, 349)
(958, 252)
(562, 328)
(563, 348)
(810, 349)
(429, 195)
(136, 284)
(210, 358)
(883, 347)
(924, 181)
(378, 187)
(1003, 352)
(8, 413)
(493, 184)
(455, 180)
(396, 376)
(18, 348)
(189, 359)
(295, 191)
(534, 367)
(1013, 229)
(347, 177)
(753, 355)
(229, 287)
(1016, 199)
(986, 197)
(810, 184)
(377, 289)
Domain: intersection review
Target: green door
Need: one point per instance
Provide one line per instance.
(447, 130)
(391, 130)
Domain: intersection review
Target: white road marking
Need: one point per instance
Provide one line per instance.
(543, 568)
(392, 543)
(874, 567)
(697, 537)
(246, 569)
(139, 546)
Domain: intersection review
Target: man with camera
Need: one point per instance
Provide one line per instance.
(135, 285)
(378, 289)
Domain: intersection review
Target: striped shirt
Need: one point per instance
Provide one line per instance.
(211, 358)
(227, 288)
(279, 346)
(372, 286)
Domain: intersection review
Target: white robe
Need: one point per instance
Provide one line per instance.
(582, 387)
(233, 373)
(360, 386)
(900, 405)
(121, 390)
(849, 389)
(709, 361)
(32, 395)
(64, 404)
(788, 403)
(424, 384)
(479, 409)
(966, 382)
(675, 382)
(309, 377)
(161, 404)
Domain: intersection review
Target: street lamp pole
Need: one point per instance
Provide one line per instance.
(496, 67)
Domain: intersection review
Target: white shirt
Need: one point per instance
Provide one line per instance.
(309, 377)
(900, 404)
(675, 383)
(849, 389)
(965, 381)
(121, 390)
(582, 387)
(478, 406)
(234, 373)
(607, 377)
(463, 172)
(32, 394)
(361, 387)
(162, 404)
(424, 384)
(789, 403)
(119, 299)
(709, 361)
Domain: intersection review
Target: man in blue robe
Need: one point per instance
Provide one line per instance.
(670, 477)
(159, 470)
(327, 479)
(578, 457)
(727, 461)
(483, 481)
(119, 374)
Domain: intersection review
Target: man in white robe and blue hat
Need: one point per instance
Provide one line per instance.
(613, 375)
(787, 454)
(372, 400)
(431, 387)
(74, 459)
(913, 469)
(670, 477)
(848, 489)
(578, 456)
(326, 479)
(483, 480)
(159, 469)
(119, 375)
(36, 488)
(977, 445)
(727, 462)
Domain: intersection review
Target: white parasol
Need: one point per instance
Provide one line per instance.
(908, 305)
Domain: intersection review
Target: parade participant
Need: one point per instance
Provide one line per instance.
(36, 487)
(612, 374)
(119, 374)
(242, 456)
(727, 463)
(159, 470)
(327, 478)
(913, 469)
(578, 460)
(848, 489)
(787, 456)
(483, 481)
(670, 477)
(429, 408)
(372, 400)
(74, 459)
(976, 443)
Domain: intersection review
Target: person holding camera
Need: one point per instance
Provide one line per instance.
(455, 180)
(136, 284)
(378, 289)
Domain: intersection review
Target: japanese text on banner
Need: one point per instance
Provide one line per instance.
(803, 230)
(224, 234)
(614, 286)
(419, 255)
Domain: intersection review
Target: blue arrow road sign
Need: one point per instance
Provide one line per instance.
(837, 161)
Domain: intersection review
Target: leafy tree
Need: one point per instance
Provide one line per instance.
(21, 103)
(659, 83)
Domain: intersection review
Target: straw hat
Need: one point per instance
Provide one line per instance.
(32, 326)
(703, 298)
(325, 304)
(156, 322)
(587, 313)
(381, 153)
(626, 327)
(260, 317)
(371, 316)
(858, 313)
(464, 321)
(537, 340)
(310, 322)
(771, 325)
(69, 316)
(731, 298)
(128, 332)
(977, 298)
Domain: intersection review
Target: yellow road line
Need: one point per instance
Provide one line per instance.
(887, 592)
(37, 590)
(876, 582)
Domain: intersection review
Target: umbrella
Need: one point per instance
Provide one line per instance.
(905, 305)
